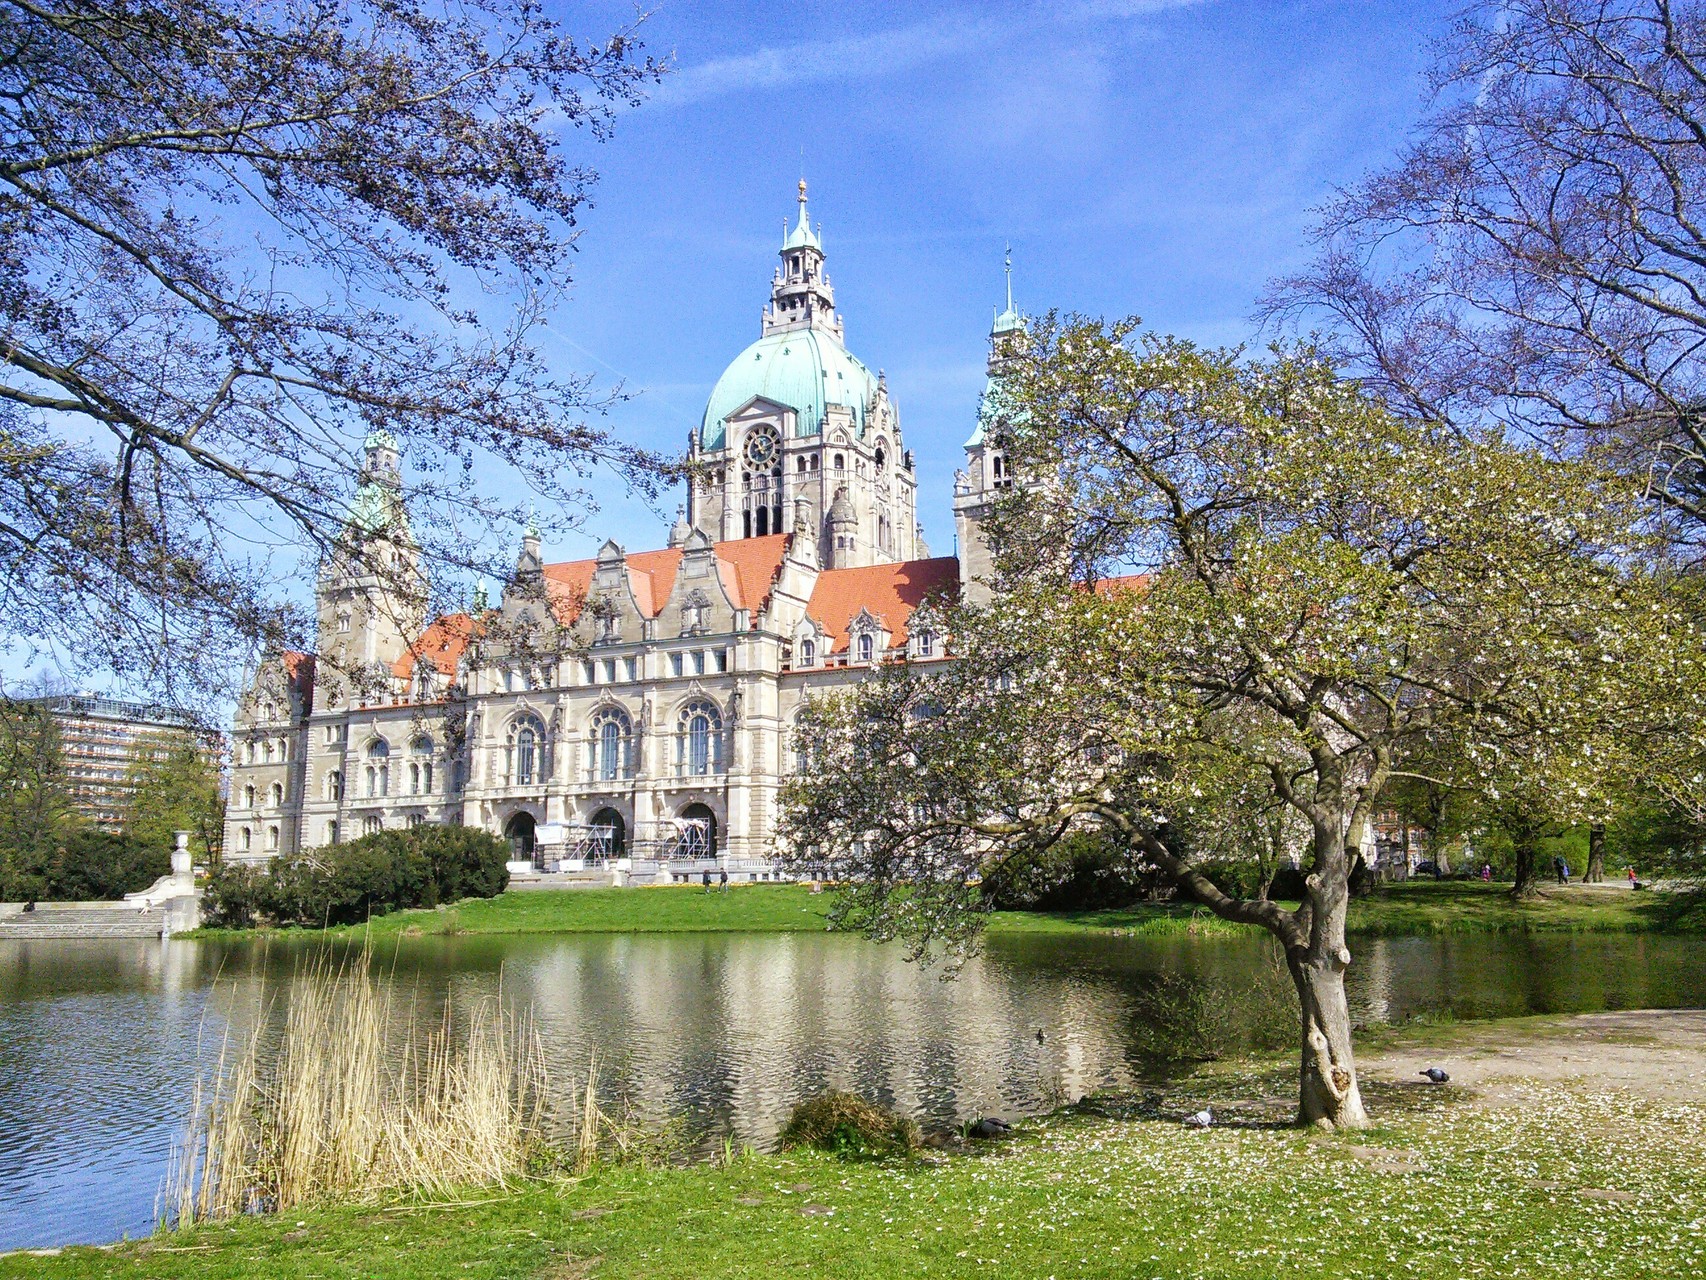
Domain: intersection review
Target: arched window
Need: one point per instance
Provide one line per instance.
(699, 739)
(420, 765)
(867, 647)
(245, 840)
(610, 833)
(696, 833)
(335, 786)
(332, 831)
(612, 752)
(275, 796)
(249, 797)
(272, 839)
(379, 767)
(521, 832)
(372, 823)
(808, 653)
(840, 462)
(524, 762)
(802, 749)
(882, 458)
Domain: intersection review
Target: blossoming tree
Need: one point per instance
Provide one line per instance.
(1221, 573)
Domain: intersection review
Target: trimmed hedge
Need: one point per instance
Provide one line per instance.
(347, 883)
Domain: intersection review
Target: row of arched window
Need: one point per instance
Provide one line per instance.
(266, 750)
(275, 795)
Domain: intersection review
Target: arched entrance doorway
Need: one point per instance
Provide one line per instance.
(611, 833)
(519, 832)
(699, 833)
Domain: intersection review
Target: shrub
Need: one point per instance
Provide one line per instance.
(1084, 871)
(91, 864)
(848, 1125)
(346, 884)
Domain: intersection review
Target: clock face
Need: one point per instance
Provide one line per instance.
(760, 447)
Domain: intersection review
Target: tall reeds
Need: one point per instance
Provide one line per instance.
(350, 1106)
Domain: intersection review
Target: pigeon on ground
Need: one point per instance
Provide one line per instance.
(1039, 1035)
(991, 1127)
(1434, 1074)
(1201, 1120)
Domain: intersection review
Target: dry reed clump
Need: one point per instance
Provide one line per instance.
(848, 1125)
(342, 1110)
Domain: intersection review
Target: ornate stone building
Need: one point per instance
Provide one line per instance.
(637, 705)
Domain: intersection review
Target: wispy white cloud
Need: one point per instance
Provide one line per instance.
(880, 53)
(846, 58)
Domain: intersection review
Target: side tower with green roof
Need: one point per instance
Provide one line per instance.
(371, 593)
(797, 422)
(986, 471)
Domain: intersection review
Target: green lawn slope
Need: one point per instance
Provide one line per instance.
(1416, 908)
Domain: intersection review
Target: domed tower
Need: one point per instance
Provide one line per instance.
(796, 419)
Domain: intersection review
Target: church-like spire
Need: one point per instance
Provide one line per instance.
(800, 293)
(1008, 321)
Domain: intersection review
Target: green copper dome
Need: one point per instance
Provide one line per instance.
(805, 369)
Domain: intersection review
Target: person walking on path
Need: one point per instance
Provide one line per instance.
(1558, 868)
(723, 878)
(1630, 872)
(705, 879)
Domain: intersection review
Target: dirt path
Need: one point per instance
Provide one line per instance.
(1660, 1053)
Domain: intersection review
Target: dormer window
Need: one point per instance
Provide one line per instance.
(808, 653)
(867, 647)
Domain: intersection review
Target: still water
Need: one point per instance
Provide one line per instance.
(101, 1041)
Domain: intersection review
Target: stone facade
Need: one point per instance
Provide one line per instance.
(637, 705)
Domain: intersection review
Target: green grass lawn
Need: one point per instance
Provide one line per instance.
(1416, 908)
(1551, 1184)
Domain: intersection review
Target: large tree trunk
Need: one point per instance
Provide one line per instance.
(1327, 1093)
(1595, 873)
(1526, 844)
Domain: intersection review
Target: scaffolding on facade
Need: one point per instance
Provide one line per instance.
(664, 840)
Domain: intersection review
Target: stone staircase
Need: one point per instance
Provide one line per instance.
(84, 920)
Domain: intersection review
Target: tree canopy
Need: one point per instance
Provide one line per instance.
(1324, 586)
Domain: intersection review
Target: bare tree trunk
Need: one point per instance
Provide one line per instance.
(1442, 856)
(1595, 873)
(1327, 1094)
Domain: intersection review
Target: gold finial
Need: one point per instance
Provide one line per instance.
(802, 190)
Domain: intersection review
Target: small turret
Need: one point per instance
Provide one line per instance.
(681, 530)
(843, 531)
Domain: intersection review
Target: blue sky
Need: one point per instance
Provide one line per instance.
(1149, 157)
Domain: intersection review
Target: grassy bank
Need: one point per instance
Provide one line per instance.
(1539, 1180)
(1417, 908)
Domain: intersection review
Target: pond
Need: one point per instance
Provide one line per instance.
(100, 1042)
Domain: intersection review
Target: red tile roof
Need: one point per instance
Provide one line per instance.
(1130, 582)
(889, 591)
(441, 644)
(745, 566)
(299, 668)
